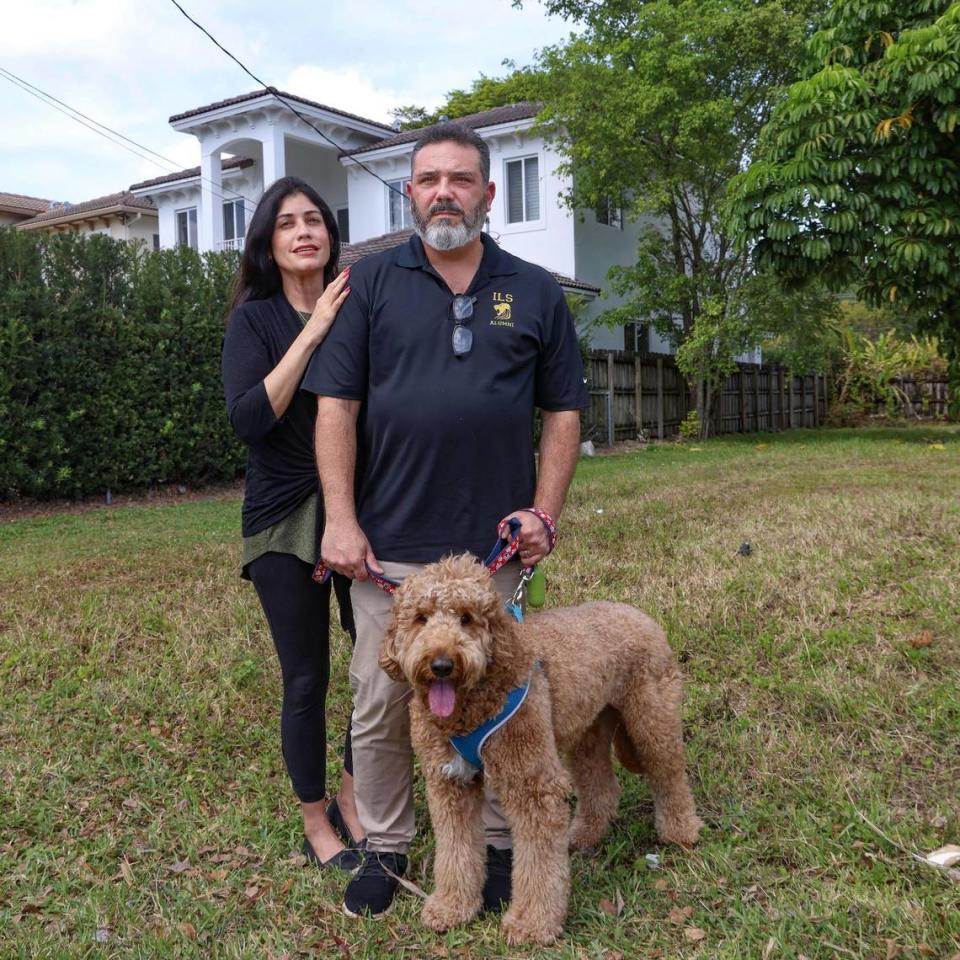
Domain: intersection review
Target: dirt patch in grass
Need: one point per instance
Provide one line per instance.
(24, 508)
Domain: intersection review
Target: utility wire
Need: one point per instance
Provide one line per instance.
(341, 152)
(101, 129)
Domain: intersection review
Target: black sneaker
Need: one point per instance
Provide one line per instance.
(496, 889)
(370, 893)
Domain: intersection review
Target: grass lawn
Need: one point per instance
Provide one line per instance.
(146, 812)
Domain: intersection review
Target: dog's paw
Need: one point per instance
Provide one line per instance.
(584, 837)
(442, 914)
(683, 831)
(520, 928)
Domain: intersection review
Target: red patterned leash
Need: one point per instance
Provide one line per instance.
(502, 553)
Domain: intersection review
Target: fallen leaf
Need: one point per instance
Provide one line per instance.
(680, 915)
(188, 930)
(102, 935)
(893, 949)
(761, 446)
(252, 892)
(127, 872)
(923, 639)
(694, 934)
(181, 866)
(947, 856)
(926, 950)
(661, 883)
(608, 906)
(936, 446)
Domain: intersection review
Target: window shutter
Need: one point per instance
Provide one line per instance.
(531, 187)
(514, 191)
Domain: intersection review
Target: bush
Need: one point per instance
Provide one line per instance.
(110, 366)
(871, 368)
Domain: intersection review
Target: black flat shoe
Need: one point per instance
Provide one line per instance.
(346, 860)
(335, 819)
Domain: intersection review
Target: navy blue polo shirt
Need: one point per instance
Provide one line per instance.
(445, 447)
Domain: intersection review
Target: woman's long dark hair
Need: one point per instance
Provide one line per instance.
(258, 277)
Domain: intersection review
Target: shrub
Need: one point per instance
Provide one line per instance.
(109, 366)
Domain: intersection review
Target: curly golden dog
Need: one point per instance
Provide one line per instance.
(600, 674)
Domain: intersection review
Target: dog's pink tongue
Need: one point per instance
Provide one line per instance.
(442, 697)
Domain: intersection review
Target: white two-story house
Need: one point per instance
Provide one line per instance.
(248, 141)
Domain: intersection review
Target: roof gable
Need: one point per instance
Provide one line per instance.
(269, 92)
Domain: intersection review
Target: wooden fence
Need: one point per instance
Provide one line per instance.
(646, 393)
(922, 396)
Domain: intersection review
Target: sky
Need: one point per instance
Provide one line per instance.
(132, 64)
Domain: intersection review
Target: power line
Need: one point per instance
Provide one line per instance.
(275, 93)
(102, 130)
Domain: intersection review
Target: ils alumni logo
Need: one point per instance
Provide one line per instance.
(502, 310)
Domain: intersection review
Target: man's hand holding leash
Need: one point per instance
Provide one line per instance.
(345, 549)
(537, 533)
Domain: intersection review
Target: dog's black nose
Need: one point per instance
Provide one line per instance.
(441, 666)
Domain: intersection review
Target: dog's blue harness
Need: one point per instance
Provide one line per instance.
(470, 744)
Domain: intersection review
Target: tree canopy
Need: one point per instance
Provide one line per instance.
(856, 179)
(655, 105)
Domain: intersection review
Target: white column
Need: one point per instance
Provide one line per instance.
(210, 214)
(274, 160)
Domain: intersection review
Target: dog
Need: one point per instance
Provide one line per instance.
(599, 674)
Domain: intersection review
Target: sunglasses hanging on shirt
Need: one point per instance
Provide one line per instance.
(461, 312)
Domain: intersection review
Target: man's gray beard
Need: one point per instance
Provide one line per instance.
(444, 235)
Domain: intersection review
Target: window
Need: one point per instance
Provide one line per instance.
(343, 224)
(187, 228)
(523, 190)
(156, 241)
(610, 212)
(399, 205)
(234, 222)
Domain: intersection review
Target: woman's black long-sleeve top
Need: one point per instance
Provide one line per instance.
(281, 469)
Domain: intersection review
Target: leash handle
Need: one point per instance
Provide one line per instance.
(321, 573)
(548, 522)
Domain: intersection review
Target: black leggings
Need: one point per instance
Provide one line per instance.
(298, 613)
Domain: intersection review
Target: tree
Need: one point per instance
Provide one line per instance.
(656, 105)
(485, 93)
(856, 180)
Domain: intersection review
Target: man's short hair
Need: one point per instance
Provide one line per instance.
(454, 132)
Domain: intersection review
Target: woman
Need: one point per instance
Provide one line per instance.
(285, 299)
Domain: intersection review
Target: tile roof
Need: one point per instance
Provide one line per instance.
(266, 91)
(18, 203)
(232, 163)
(488, 118)
(112, 202)
(350, 253)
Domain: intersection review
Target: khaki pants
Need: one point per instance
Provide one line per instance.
(382, 755)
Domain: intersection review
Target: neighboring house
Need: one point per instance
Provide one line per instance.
(249, 141)
(119, 215)
(15, 208)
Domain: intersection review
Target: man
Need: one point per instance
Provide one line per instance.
(427, 386)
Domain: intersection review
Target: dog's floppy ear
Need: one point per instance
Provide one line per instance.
(388, 650)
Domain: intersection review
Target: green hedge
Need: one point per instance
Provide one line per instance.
(110, 366)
